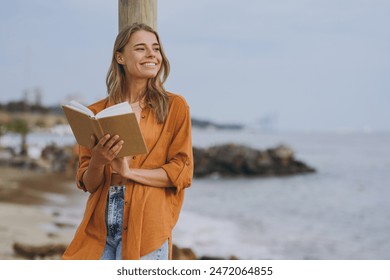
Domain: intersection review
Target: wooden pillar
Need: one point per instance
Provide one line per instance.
(130, 11)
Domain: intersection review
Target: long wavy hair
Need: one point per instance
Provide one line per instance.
(154, 96)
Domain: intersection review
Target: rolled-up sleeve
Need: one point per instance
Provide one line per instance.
(179, 166)
(84, 159)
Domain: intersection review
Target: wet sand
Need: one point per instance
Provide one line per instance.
(33, 209)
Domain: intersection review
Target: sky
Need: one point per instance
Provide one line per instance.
(302, 65)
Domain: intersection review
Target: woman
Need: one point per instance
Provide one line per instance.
(134, 202)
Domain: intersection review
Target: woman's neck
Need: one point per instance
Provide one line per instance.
(135, 90)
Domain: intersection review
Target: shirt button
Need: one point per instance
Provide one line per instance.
(134, 157)
(126, 203)
(143, 116)
(125, 228)
(187, 162)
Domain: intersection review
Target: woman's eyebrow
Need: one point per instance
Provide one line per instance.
(144, 44)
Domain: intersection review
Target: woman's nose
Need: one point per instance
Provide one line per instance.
(150, 53)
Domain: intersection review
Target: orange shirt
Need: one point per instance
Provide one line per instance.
(150, 213)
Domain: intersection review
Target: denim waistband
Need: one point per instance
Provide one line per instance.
(116, 189)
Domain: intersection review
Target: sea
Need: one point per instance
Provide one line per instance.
(340, 212)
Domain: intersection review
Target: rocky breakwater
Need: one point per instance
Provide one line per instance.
(238, 160)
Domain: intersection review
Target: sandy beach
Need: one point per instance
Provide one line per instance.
(30, 209)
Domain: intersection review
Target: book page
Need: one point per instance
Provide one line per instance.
(117, 109)
(80, 108)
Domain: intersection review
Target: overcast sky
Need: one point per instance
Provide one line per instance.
(305, 64)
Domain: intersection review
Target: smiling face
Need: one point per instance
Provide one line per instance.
(141, 57)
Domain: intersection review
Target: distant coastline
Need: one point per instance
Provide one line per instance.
(204, 124)
(41, 117)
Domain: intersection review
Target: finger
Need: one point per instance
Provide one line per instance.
(104, 140)
(117, 148)
(111, 143)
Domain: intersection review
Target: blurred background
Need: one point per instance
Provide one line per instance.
(312, 76)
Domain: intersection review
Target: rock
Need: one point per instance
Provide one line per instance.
(182, 253)
(239, 160)
(57, 156)
(39, 252)
(283, 154)
(210, 258)
(218, 258)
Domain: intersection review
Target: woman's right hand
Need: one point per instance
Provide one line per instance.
(104, 150)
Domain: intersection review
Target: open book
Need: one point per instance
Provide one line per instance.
(118, 119)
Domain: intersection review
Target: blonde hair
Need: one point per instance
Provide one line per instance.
(155, 96)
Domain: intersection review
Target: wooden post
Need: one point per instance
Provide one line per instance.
(131, 11)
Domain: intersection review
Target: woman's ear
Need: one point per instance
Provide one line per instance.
(119, 58)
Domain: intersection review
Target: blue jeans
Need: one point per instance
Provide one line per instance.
(114, 219)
